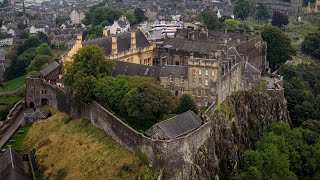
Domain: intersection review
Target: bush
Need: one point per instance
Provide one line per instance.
(142, 156)
(67, 119)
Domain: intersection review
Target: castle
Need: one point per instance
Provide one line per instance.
(227, 63)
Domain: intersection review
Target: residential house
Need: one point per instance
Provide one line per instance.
(77, 16)
(119, 26)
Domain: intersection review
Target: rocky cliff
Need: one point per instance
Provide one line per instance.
(237, 123)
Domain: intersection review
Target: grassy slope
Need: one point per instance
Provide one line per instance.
(9, 100)
(81, 150)
(13, 84)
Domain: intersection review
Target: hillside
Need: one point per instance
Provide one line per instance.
(78, 150)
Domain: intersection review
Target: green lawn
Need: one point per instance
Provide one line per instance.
(9, 100)
(13, 84)
(19, 137)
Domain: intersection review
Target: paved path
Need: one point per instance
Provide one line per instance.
(13, 127)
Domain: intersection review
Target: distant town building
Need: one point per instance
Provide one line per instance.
(119, 26)
(292, 8)
(77, 16)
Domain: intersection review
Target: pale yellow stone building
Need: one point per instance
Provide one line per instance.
(128, 46)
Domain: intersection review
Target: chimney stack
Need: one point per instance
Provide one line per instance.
(114, 45)
(133, 44)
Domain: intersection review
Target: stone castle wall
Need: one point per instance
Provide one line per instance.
(172, 157)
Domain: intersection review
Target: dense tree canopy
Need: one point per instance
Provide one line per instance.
(279, 46)
(88, 65)
(32, 42)
(186, 103)
(231, 24)
(279, 19)
(139, 15)
(210, 19)
(242, 9)
(101, 15)
(39, 61)
(44, 49)
(262, 14)
(302, 91)
(149, 102)
(284, 153)
(311, 44)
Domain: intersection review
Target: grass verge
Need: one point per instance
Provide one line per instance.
(13, 84)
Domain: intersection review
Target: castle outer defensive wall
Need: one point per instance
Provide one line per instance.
(173, 158)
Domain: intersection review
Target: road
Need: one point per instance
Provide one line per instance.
(13, 128)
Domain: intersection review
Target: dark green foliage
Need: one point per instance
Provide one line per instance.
(88, 65)
(100, 15)
(242, 9)
(231, 24)
(186, 104)
(38, 62)
(24, 35)
(114, 89)
(131, 18)
(61, 173)
(32, 42)
(262, 14)
(210, 19)
(139, 15)
(279, 19)
(44, 49)
(279, 46)
(302, 91)
(284, 153)
(93, 32)
(62, 19)
(149, 102)
(311, 44)
(18, 65)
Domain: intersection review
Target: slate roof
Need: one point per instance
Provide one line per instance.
(51, 67)
(123, 23)
(11, 166)
(190, 46)
(39, 114)
(132, 69)
(123, 42)
(179, 125)
(175, 71)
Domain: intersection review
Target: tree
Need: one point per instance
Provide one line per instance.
(210, 19)
(279, 19)
(43, 37)
(101, 15)
(311, 46)
(186, 104)
(262, 14)
(88, 65)
(32, 42)
(149, 102)
(231, 24)
(62, 19)
(44, 49)
(279, 46)
(24, 35)
(38, 62)
(242, 9)
(131, 18)
(139, 14)
(94, 32)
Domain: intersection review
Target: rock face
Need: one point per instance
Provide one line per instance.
(237, 123)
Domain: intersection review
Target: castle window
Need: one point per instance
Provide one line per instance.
(200, 81)
(199, 93)
(213, 73)
(182, 80)
(193, 71)
(199, 71)
(206, 82)
(192, 82)
(206, 93)
(207, 72)
(193, 92)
